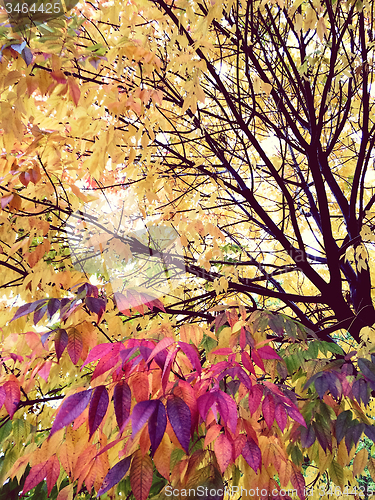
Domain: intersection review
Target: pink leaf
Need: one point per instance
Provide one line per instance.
(163, 344)
(44, 371)
(180, 418)
(228, 410)
(257, 359)
(71, 408)
(268, 408)
(13, 396)
(105, 364)
(99, 351)
(267, 352)
(191, 353)
(225, 351)
(98, 408)
(2, 396)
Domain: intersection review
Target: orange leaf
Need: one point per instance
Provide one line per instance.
(223, 452)
(141, 472)
(74, 91)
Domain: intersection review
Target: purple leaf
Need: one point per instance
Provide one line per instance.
(295, 415)
(52, 307)
(39, 313)
(228, 410)
(71, 408)
(61, 341)
(27, 309)
(98, 408)
(96, 306)
(115, 475)
(307, 436)
(281, 416)
(252, 454)
(141, 413)
(180, 419)
(191, 353)
(157, 424)
(122, 402)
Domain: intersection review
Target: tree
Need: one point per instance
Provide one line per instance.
(186, 248)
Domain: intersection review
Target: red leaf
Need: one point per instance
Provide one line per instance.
(180, 419)
(252, 454)
(298, 482)
(163, 344)
(257, 359)
(99, 351)
(71, 408)
(36, 475)
(192, 354)
(49, 469)
(61, 341)
(281, 416)
(74, 344)
(98, 408)
(105, 364)
(267, 352)
(13, 396)
(255, 396)
(223, 452)
(246, 361)
(141, 473)
(115, 475)
(53, 472)
(224, 351)
(122, 398)
(268, 408)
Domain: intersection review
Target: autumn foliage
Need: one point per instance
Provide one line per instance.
(186, 251)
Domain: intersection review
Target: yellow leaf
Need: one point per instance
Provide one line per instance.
(360, 462)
